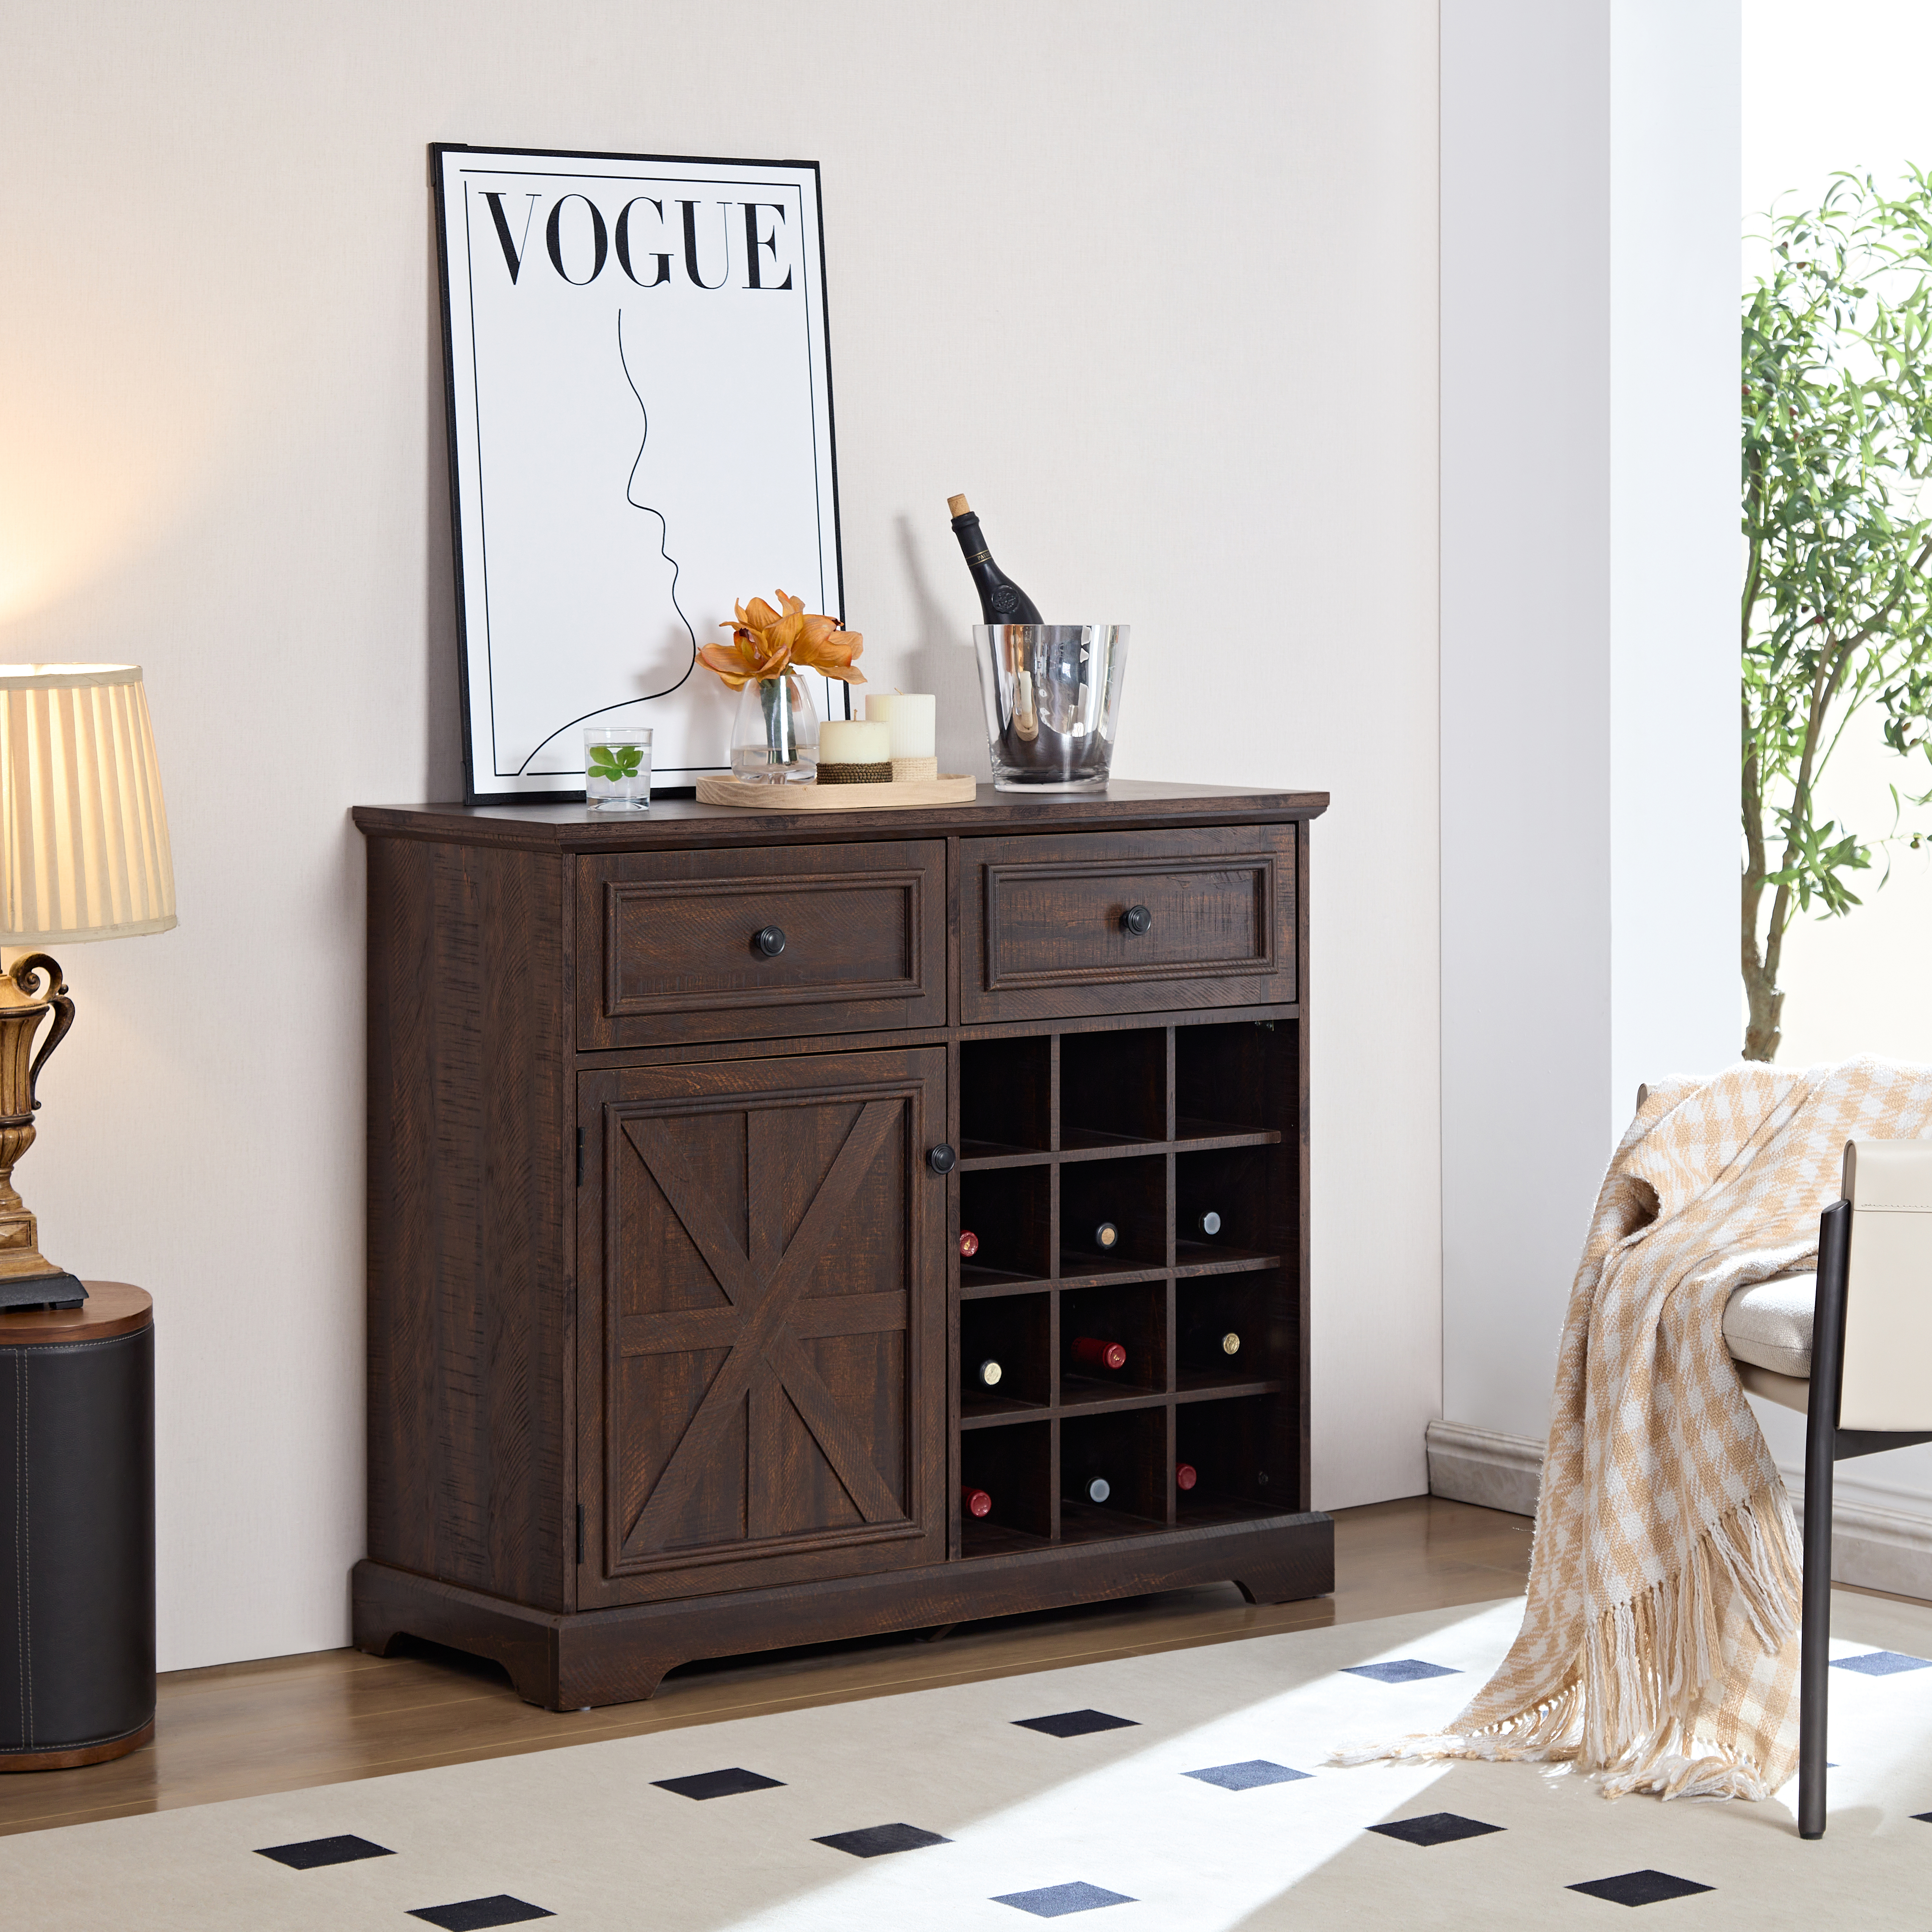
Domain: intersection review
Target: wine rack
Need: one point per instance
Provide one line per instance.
(1149, 1129)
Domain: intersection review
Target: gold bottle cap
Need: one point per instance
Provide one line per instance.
(1231, 1343)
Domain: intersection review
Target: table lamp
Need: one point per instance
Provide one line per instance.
(83, 855)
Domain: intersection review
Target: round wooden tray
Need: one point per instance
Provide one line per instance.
(947, 789)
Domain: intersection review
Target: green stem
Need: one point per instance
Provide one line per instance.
(780, 739)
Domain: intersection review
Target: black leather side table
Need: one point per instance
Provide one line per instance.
(77, 1530)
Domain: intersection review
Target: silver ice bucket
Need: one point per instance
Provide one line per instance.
(1052, 694)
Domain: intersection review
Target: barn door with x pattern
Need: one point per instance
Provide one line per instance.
(773, 1336)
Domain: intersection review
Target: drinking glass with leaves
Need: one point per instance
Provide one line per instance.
(617, 767)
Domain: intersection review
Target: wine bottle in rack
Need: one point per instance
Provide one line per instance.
(1105, 1236)
(1001, 600)
(969, 1244)
(1185, 1476)
(985, 1375)
(1208, 1225)
(1094, 1351)
(1210, 1345)
(1080, 1479)
(974, 1501)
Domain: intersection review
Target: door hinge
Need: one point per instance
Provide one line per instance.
(579, 1532)
(579, 1156)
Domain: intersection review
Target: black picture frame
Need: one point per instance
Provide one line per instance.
(546, 563)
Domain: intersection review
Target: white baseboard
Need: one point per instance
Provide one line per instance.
(1479, 1465)
(1872, 1548)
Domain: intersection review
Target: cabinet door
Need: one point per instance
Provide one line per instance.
(762, 1400)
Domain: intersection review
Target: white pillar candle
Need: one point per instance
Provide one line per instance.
(914, 717)
(854, 742)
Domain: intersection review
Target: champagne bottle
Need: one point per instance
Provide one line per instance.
(1208, 1225)
(987, 1375)
(974, 1502)
(1210, 1345)
(1001, 600)
(1185, 1476)
(969, 1244)
(1093, 1352)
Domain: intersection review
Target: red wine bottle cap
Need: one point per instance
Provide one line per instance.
(969, 1243)
(1184, 1477)
(1103, 1355)
(975, 1502)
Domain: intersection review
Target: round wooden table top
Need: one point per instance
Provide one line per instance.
(112, 1308)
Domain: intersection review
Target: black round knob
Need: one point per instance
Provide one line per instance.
(942, 1159)
(769, 940)
(1136, 920)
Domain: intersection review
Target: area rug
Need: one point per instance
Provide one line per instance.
(1189, 1789)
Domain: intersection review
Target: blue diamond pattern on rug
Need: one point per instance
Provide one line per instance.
(1400, 1670)
(1641, 1888)
(1056, 1901)
(1434, 1828)
(1247, 1776)
(307, 1853)
(718, 1784)
(1881, 1663)
(1076, 1723)
(878, 1839)
(476, 1915)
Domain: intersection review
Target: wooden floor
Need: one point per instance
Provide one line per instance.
(289, 1722)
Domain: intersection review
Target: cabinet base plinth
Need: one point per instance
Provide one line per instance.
(570, 1660)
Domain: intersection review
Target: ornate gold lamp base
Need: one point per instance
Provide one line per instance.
(31, 988)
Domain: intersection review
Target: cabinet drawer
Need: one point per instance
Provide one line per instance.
(1043, 930)
(667, 943)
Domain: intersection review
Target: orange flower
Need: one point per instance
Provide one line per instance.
(766, 643)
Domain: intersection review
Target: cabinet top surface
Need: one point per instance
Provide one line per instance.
(682, 821)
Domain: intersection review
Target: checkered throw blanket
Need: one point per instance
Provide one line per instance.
(1659, 1646)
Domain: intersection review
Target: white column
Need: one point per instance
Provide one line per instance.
(1588, 634)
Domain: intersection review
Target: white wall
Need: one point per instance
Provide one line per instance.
(1589, 721)
(1213, 417)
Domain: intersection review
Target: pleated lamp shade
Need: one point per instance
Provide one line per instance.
(83, 831)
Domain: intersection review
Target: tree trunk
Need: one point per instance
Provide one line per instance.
(1762, 1032)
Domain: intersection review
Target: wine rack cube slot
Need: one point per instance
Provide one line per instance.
(1128, 1196)
(1006, 1097)
(1133, 1319)
(1014, 1332)
(1128, 1450)
(1014, 1464)
(1010, 1210)
(1242, 1451)
(1233, 1078)
(1254, 1308)
(1113, 1088)
(1229, 1207)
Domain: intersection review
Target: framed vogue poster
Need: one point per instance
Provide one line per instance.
(640, 397)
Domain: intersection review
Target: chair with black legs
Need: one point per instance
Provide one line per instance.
(1852, 1354)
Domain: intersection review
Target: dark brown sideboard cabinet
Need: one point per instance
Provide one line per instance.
(674, 1125)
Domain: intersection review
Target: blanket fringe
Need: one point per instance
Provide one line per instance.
(1628, 1710)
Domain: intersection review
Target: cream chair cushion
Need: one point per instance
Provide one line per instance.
(1769, 1323)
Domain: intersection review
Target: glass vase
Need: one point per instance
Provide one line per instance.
(775, 734)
